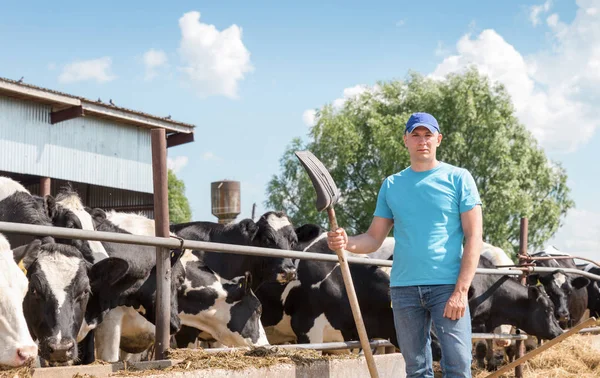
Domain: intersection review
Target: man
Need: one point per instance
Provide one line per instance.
(432, 206)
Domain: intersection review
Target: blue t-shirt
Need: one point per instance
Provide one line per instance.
(426, 208)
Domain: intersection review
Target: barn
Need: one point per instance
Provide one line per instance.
(49, 138)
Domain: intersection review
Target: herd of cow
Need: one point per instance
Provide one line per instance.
(84, 300)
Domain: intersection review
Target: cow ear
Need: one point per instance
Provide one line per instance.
(533, 279)
(98, 214)
(107, 272)
(249, 228)
(247, 282)
(533, 293)
(308, 232)
(28, 253)
(175, 255)
(580, 282)
(50, 206)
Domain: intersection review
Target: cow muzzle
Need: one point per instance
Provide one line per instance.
(286, 276)
(62, 352)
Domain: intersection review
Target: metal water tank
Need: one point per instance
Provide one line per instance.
(225, 200)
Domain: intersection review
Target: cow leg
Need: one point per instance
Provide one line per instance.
(492, 364)
(108, 336)
(481, 348)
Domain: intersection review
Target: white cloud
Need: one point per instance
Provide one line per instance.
(214, 61)
(400, 23)
(537, 10)
(176, 164)
(549, 89)
(308, 117)
(209, 156)
(82, 70)
(440, 50)
(154, 59)
(580, 234)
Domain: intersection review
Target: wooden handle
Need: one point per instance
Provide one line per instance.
(360, 325)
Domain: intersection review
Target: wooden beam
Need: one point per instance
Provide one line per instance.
(542, 348)
(179, 138)
(66, 114)
(45, 184)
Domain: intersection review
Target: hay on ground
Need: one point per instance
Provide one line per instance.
(574, 357)
(197, 359)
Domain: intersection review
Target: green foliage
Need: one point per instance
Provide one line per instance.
(361, 144)
(179, 207)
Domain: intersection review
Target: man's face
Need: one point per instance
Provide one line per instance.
(422, 144)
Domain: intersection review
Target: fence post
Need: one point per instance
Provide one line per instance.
(522, 251)
(161, 229)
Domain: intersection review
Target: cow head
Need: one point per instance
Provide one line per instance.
(273, 230)
(226, 309)
(540, 321)
(16, 344)
(559, 287)
(143, 299)
(60, 286)
(245, 311)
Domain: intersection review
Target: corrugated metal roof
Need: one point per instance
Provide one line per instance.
(61, 100)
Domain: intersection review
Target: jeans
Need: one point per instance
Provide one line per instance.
(414, 309)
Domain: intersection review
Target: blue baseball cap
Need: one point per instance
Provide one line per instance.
(422, 119)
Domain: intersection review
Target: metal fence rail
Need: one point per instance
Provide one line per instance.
(68, 233)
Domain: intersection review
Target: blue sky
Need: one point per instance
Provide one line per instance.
(248, 74)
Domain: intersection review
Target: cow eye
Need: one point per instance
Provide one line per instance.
(33, 292)
(83, 295)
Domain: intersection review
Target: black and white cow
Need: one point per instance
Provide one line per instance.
(129, 326)
(58, 296)
(273, 230)
(567, 291)
(16, 344)
(209, 306)
(593, 291)
(314, 308)
(212, 307)
(501, 300)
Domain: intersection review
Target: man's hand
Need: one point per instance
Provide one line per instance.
(456, 305)
(337, 239)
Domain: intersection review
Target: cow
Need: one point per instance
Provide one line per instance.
(216, 308)
(272, 230)
(63, 289)
(131, 326)
(567, 291)
(500, 300)
(593, 291)
(314, 308)
(16, 345)
(209, 306)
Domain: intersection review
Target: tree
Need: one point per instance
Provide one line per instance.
(179, 207)
(361, 144)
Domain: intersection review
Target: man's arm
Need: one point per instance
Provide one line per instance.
(472, 224)
(363, 243)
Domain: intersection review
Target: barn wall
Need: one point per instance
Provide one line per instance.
(83, 149)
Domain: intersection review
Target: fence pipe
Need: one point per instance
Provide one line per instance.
(69, 233)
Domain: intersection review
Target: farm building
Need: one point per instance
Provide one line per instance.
(48, 138)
